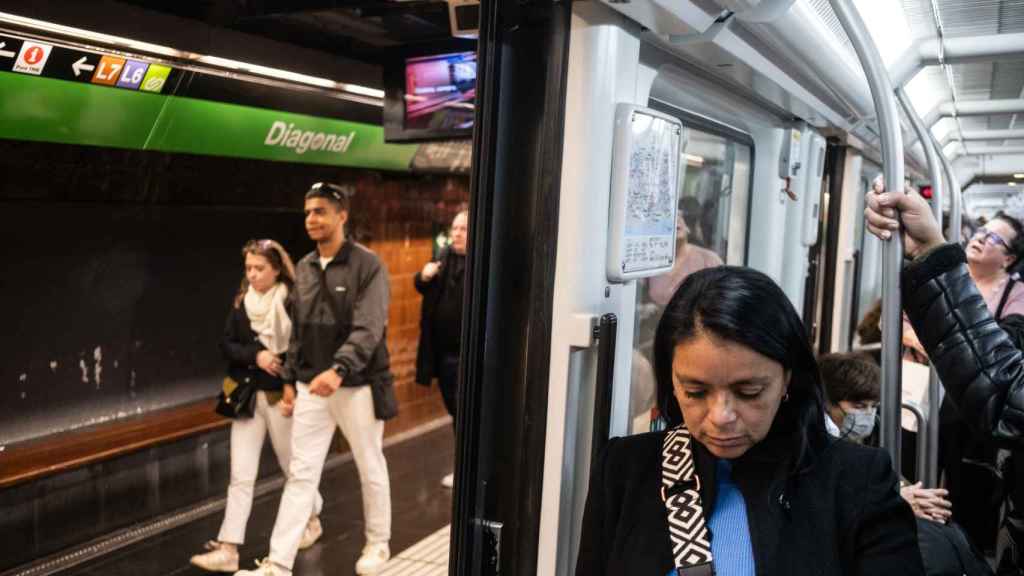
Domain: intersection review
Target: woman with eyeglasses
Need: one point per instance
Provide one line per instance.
(255, 340)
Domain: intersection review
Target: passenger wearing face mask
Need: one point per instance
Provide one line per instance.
(852, 387)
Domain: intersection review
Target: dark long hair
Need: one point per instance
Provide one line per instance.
(744, 306)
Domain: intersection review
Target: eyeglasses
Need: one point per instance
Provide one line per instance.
(334, 190)
(991, 238)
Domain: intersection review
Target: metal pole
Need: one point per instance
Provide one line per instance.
(956, 195)
(922, 444)
(892, 252)
(928, 430)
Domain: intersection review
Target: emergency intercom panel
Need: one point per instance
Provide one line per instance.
(645, 176)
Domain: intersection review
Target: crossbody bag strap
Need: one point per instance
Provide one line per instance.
(1006, 296)
(680, 491)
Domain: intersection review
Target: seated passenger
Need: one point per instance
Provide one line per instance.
(255, 339)
(853, 389)
(754, 484)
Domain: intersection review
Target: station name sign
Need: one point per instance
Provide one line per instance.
(36, 58)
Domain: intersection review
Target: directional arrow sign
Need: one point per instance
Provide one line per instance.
(80, 65)
(6, 53)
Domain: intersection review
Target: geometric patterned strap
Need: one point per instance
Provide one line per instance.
(680, 490)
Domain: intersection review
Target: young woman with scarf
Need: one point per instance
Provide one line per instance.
(256, 337)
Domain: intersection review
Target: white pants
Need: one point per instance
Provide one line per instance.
(247, 436)
(315, 418)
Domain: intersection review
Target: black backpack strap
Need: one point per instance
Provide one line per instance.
(680, 491)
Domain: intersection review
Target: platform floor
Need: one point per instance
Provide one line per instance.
(421, 512)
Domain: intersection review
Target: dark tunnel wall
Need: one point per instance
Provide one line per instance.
(120, 266)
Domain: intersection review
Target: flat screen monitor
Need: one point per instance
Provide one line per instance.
(436, 99)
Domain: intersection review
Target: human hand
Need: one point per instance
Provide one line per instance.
(325, 383)
(270, 363)
(287, 403)
(920, 230)
(928, 503)
(430, 269)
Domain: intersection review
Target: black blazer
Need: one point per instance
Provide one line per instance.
(843, 515)
(240, 346)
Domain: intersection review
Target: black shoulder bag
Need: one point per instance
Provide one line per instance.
(236, 400)
(385, 403)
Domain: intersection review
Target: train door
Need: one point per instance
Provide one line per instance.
(550, 79)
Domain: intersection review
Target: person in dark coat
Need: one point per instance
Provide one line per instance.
(441, 282)
(978, 360)
(779, 496)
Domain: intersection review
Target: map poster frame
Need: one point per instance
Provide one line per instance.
(646, 155)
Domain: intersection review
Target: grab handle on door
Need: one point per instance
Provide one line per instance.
(605, 336)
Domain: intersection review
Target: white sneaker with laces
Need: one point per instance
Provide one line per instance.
(265, 567)
(373, 558)
(218, 558)
(448, 481)
(312, 533)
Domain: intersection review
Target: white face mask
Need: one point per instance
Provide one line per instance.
(858, 424)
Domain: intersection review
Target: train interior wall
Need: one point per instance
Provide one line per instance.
(120, 268)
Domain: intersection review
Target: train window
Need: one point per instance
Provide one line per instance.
(713, 204)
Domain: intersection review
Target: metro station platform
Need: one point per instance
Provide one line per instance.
(421, 513)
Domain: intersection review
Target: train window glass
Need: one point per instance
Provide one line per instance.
(713, 200)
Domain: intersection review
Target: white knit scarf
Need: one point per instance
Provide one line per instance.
(268, 317)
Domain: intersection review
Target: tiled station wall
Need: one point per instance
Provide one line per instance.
(136, 255)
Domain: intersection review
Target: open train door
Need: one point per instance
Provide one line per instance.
(514, 215)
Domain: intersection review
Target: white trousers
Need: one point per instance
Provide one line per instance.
(315, 418)
(247, 436)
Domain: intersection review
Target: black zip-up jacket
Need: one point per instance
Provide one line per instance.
(240, 346)
(339, 318)
(444, 285)
(842, 515)
(980, 364)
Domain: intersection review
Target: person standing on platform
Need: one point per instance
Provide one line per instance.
(256, 337)
(338, 357)
(441, 282)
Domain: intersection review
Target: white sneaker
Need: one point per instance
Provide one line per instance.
(265, 568)
(312, 533)
(373, 558)
(219, 558)
(448, 481)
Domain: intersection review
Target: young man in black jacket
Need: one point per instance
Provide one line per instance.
(336, 357)
(979, 361)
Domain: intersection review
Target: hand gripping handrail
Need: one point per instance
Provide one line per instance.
(892, 253)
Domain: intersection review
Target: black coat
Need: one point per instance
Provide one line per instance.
(842, 515)
(240, 346)
(433, 291)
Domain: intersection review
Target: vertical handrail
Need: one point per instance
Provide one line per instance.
(928, 431)
(892, 253)
(922, 444)
(956, 195)
(605, 333)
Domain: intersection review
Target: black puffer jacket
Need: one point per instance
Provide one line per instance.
(980, 364)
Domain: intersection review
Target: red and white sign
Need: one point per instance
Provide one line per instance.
(32, 58)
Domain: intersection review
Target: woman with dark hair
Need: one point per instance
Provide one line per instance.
(746, 480)
(256, 337)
